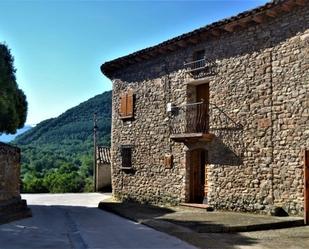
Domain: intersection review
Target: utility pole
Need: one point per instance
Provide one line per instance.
(95, 127)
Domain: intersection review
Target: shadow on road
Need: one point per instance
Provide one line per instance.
(59, 226)
(186, 228)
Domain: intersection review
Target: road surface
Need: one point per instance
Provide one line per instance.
(62, 221)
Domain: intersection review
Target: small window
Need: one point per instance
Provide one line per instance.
(199, 55)
(126, 156)
(126, 105)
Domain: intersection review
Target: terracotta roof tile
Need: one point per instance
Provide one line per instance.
(103, 155)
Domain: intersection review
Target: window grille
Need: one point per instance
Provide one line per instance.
(126, 156)
(199, 66)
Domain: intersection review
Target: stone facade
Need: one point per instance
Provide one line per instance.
(9, 172)
(11, 205)
(259, 114)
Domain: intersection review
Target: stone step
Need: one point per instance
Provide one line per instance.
(15, 216)
(12, 205)
(197, 206)
(14, 210)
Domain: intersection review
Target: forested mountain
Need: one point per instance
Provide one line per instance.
(57, 153)
(9, 137)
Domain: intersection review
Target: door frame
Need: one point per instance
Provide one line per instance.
(197, 167)
(306, 187)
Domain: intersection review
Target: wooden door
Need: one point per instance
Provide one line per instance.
(206, 184)
(202, 93)
(197, 176)
(306, 187)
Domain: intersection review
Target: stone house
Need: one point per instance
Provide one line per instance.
(12, 207)
(219, 115)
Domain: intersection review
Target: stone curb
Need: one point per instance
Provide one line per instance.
(252, 228)
(171, 228)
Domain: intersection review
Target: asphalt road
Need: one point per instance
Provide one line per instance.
(62, 221)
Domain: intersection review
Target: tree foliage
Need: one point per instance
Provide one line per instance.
(13, 103)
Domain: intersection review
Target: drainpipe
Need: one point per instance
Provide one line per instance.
(167, 95)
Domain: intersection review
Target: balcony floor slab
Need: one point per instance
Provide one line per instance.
(193, 137)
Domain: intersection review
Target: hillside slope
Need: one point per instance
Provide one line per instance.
(10, 137)
(74, 124)
(58, 147)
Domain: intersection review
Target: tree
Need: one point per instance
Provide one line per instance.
(13, 103)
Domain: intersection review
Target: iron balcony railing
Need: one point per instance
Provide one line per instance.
(201, 117)
(190, 118)
(208, 67)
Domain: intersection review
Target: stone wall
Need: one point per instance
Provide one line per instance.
(9, 172)
(260, 86)
(103, 177)
(12, 207)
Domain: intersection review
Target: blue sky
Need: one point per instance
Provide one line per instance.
(59, 45)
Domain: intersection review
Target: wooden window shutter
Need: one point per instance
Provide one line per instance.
(130, 104)
(126, 105)
(123, 105)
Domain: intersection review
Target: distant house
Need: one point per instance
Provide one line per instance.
(219, 115)
(103, 171)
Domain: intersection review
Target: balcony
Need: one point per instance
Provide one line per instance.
(190, 123)
(201, 67)
(196, 122)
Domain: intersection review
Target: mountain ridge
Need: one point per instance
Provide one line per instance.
(75, 114)
(6, 138)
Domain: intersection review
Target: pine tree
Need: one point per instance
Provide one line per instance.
(13, 103)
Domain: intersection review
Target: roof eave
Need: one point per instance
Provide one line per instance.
(214, 30)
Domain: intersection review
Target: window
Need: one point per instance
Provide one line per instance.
(126, 156)
(126, 105)
(199, 55)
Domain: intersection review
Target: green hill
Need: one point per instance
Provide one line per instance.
(57, 153)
